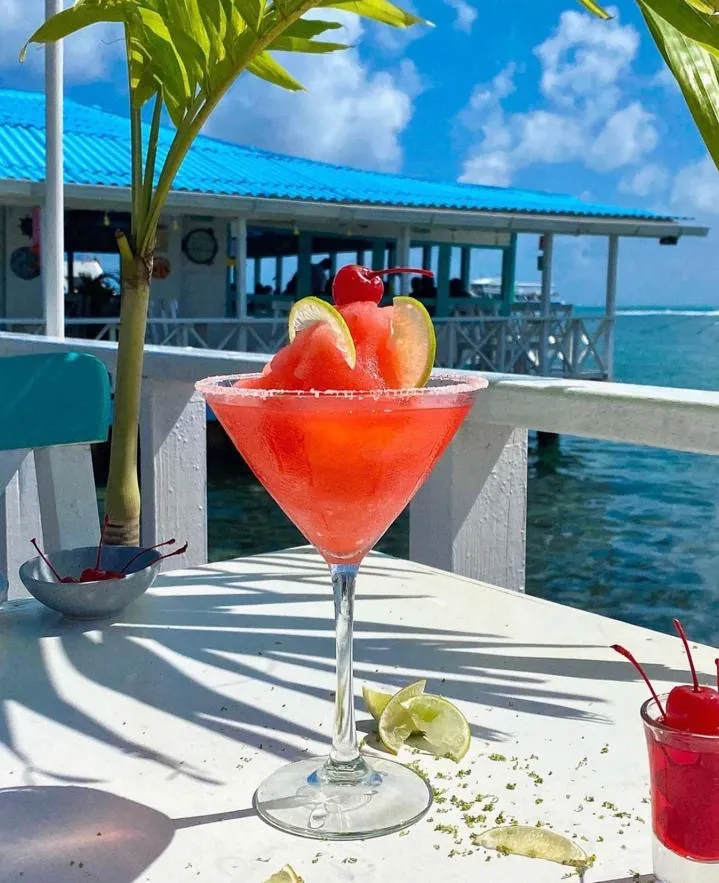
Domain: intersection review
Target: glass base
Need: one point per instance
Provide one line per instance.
(300, 799)
(672, 868)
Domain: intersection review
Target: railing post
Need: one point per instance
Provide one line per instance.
(19, 515)
(470, 516)
(67, 497)
(173, 466)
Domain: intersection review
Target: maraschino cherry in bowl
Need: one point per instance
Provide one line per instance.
(682, 734)
(93, 582)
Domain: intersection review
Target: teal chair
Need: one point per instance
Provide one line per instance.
(52, 407)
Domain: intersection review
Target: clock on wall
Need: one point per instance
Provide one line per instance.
(200, 245)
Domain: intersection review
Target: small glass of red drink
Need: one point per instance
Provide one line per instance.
(684, 771)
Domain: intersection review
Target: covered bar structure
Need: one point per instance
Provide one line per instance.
(246, 232)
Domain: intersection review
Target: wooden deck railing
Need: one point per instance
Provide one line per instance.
(575, 346)
(470, 516)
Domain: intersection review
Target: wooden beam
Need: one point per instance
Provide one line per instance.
(444, 266)
(403, 260)
(465, 272)
(304, 265)
(509, 276)
(241, 267)
(611, 300)
(546, 301)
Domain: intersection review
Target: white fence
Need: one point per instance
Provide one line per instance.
(558, 346)
(469, 517)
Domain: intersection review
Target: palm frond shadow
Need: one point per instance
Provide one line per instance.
(184, 652)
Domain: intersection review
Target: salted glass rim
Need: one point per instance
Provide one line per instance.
(650, 716)
(453, 385)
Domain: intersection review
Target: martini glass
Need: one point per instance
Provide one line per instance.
(342, 465)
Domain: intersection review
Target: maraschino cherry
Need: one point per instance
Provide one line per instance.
(690, 708)
(97, 573)
(355, 283)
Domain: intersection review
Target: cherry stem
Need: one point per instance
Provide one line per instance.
(627, 655)
(148, 549)
(180, 551)
(46, 560)
(683, 635)
(105, 522)
(373, 274)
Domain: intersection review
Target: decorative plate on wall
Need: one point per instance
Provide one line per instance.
(200, 245)
(25, 263)
(161, 267)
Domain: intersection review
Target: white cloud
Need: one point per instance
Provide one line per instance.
(466, 15)
(583, 115)
(649, 180)
(89, 56)
(696, 189)
(349, 114)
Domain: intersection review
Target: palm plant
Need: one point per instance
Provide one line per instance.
(687, 35)
(182, 57)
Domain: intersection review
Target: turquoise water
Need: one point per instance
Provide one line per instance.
(629, 532)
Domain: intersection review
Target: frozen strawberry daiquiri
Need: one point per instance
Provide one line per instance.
(682, 733)
(342, 428)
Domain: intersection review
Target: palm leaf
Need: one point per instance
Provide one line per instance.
(595, 8)
(379, 10)
(695, 69)
(687, 20)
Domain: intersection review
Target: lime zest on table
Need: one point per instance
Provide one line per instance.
(286, 875)
(533, 843)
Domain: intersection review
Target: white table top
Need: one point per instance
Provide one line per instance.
(222, 673)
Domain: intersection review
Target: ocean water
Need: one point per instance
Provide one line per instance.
(625, 531)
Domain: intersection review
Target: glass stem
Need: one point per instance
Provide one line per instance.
(345, 760)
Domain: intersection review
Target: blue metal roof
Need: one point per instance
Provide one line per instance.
(97, 153)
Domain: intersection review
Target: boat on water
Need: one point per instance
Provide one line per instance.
(524, 292)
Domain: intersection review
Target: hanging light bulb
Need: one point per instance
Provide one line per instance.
(175, 225)
(296, 230)
(106, 220)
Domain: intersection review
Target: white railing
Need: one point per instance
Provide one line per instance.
(575, 347)
(470, 516)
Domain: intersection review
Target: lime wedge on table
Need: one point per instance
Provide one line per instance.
(375, 701)
(311, 310)
(532, 843)
(395, 722)
(443, 726)
(414, 341)
(286, 875)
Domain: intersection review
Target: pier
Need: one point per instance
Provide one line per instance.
(247, 232)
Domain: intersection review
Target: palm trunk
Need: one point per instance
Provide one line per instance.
(122, 502)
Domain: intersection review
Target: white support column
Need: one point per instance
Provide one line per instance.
(241, 279)
(52, 248)
(19, 516)
(241, 267)
(611, 301)
(466, 267)
(546, 302)
(173, 464)
(470, 516)
(404, 243)
(279, 286)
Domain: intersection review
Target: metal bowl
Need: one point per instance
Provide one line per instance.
(91, 600)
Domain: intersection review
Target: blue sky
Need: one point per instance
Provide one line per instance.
(542, 97)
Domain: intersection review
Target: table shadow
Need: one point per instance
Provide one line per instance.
(66, 833)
